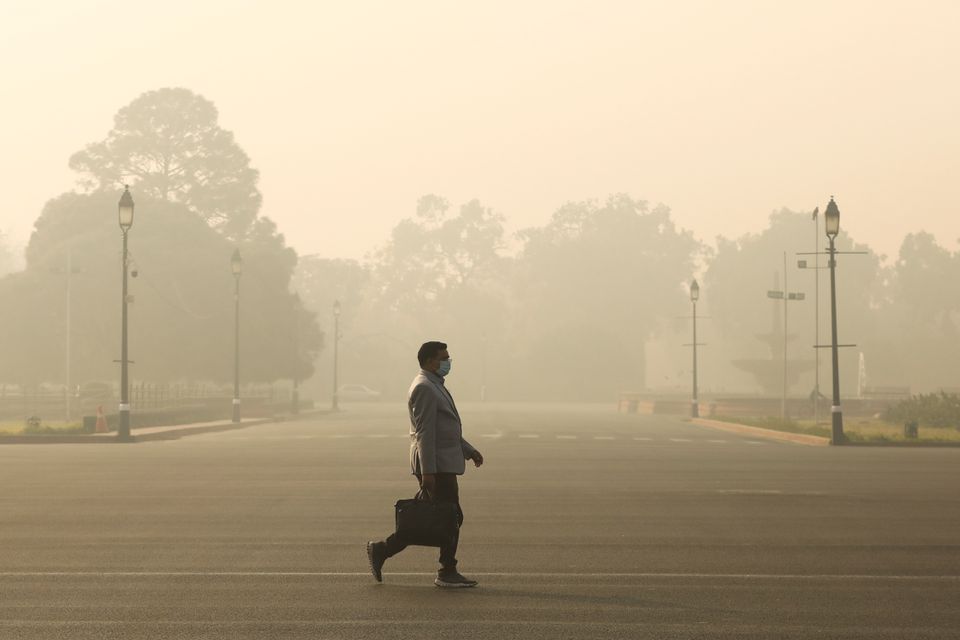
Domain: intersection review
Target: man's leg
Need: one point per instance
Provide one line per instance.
(447, 490)
(447, 576)
(378, 552)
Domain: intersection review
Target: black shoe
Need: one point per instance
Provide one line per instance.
(452, 580)
(376, 555)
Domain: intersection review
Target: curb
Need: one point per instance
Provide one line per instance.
(150, 434)
(770, 434)
(146, 434)
(175, 432)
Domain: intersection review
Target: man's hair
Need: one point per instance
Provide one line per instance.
(428, 350)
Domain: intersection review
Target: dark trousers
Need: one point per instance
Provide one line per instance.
(446, 490)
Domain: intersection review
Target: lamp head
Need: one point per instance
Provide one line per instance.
(694, 291)
(126, 209)
(832, 219)
(336, 308)
(236, 263)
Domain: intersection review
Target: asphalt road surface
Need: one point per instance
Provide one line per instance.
(582, 524)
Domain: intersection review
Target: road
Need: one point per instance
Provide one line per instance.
(582, 524)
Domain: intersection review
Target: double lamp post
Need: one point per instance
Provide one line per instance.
(126, 221)
(125, 210)
(832, 228)
(694, 402)
(832, 224)
(236, 266)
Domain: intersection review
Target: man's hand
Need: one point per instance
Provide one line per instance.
(428, 482)
(477, 458)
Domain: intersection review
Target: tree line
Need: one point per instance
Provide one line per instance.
(593, 302)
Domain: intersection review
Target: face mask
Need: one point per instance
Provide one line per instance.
(444, 368)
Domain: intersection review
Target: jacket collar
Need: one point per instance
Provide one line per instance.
(431, 376)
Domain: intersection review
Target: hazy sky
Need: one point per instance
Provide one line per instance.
(723, 110)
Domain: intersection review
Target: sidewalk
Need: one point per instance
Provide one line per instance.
(758, 432)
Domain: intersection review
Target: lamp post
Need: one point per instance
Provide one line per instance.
(336, 348)
(816, 317)
(236, 265)
(786, 296)
(802, 264)
(832, 224)
(694, 296)
(483, 367)
(125, 210)
(295, 395)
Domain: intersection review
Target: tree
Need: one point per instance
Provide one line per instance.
(440, 276)
(595, 284)
(919, 343)
(433, 254)
(181, 318)
(8, 262)
(736, 283)
(168, 146)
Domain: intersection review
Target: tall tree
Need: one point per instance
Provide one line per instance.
(181, 317)
(435, 253)
(168, 145)
(743, 270)
(8, 262)
(440, 276)
(595, 283)
(919, 344)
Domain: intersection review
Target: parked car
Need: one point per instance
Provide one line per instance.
(357, 392)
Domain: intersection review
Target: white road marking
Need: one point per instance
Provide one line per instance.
(378, 435)
(528, 435)
(751, 492)
(603, 437)
(754, 442)
(342, 435)
(518, 574)
(566, 437)
(680, 440)
(498, 434)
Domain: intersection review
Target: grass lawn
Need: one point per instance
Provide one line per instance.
(856, 429)
(55, 427)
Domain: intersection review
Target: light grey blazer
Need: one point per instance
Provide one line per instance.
(436, 434)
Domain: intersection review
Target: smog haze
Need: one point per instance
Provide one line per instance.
(724, 111)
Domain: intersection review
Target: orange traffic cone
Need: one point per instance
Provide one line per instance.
(101, 420)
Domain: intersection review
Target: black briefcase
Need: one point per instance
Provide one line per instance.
(425, 522)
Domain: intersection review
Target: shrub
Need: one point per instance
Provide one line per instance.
(35, 426)
(931, 410)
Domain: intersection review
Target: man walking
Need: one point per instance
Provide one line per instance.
(437, 456)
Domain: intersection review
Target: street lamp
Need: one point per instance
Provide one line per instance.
(694, 296)
(336, 347)
(295, 394)
(786, 296)
(816, 312)
(125, 210)
(832, 225)
(236, 265)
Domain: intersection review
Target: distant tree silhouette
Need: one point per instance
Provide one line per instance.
(596, 283)
(7, 260)
(181, 318)
(168, 145)
(920, 340)
(742, 270)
